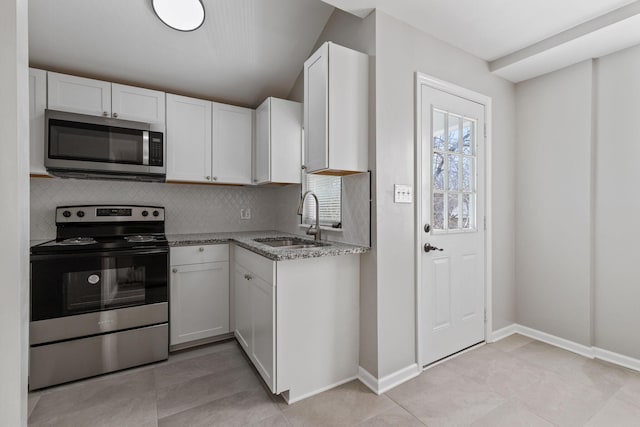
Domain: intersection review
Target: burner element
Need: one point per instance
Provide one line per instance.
(78, 241)
(140, 239)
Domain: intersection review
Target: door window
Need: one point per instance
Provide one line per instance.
(453, 193)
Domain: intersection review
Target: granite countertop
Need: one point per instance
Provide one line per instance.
(245, 239)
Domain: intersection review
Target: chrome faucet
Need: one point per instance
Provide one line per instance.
(315, 232)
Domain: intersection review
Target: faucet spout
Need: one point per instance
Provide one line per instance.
(313, 230)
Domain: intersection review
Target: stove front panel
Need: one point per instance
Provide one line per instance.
(87, 282)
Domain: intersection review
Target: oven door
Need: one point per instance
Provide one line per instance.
(71, 284)
(88, 143)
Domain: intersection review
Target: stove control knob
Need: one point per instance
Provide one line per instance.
(145, 213)
(66, 214)
(156, 213)
(80, 214)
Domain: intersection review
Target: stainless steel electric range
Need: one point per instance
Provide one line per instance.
(99, 294)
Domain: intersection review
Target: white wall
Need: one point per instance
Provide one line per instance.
(14, 193)
(401, 50)
(553, 226)
(617, 261)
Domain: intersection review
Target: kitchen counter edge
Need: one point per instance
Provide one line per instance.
(245, 240)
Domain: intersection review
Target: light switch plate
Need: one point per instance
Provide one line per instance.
(402, 193)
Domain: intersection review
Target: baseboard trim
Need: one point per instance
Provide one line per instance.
(616, 358)
(571, 346)
(367, 379)
(574, 347)
(502, 333)
(386, 383)
(287, 396)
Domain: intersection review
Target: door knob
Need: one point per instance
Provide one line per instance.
(427, 228)
(428, 248)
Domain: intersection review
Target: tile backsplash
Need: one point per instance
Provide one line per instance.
(355, 211)
(189, 208)
(193, 208)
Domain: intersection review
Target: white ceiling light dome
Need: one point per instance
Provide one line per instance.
(181, 15)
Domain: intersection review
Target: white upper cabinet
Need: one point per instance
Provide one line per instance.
(138, 104)
(232, 142)
(336, 108)
(278, 142)
(99, 98)
(208, 142)
(188, 139)
(79, 95)
(37, 105)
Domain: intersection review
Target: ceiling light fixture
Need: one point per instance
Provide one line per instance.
(181, 15)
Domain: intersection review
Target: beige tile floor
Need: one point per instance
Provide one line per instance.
(514, 382)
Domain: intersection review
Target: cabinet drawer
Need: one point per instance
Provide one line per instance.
(254, 263)
(183, 255)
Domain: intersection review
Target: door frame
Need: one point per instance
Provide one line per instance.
(450, 88)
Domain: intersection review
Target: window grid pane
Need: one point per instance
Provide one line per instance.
(453, 172)
(329, 192)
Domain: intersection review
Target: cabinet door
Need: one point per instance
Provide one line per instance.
(242, 308)
(188, 139)
(199, 301)
(138, 104)
(316, 97)
(262, 298)
(37, 105)
(263, 144)
(286, 141)
(232, 141)
(79, 95)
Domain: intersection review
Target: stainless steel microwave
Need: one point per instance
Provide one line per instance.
(83, 146)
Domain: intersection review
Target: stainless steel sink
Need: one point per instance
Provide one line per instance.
(289, 243)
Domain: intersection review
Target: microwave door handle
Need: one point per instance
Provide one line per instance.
(145, 147)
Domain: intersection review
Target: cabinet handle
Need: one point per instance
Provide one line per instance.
(255, 180)
(303, 167)
(115, 114)
(175, 270)
(208, 178)
(248, 277)
(105, 113)
(201, 249)
(215, 178)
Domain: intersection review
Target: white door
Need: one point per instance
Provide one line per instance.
(188, 139)
(232, 142)
(138, 104)
(78, 94)
(199, 301)
(452, 228)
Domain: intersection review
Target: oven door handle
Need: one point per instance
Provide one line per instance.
(113, 254)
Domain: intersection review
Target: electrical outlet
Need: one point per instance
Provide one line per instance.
(245, 213)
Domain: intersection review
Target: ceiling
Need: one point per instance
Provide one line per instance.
(488, 29)
(245, 51)
(248, 50)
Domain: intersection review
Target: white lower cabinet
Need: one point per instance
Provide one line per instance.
(297, 320)
(255, 311)
(199, 293)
